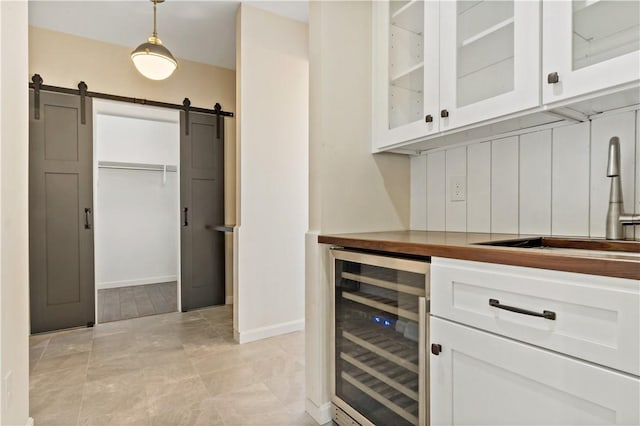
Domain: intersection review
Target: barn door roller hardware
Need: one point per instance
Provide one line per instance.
(82, 88)
(37, 84)
(217, 108)
(186, 104)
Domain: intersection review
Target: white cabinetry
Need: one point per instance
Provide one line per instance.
(405, 71)
(589, 45)
(483, 379)
(443, 65)
(513, 345)
(489, 60)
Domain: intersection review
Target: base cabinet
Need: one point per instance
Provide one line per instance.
(478, 378)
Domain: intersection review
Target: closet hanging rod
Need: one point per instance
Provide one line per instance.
(137, 166)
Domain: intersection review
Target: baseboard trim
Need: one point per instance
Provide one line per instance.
(139, 281)
(228, 300)
(321, 414)
(270, 331)
(30, 422)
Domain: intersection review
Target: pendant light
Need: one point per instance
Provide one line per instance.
(152, 59)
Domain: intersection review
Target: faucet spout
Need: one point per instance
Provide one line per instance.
(616, 217)
(613, 165)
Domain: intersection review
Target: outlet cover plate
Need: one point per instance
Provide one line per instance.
(458, 188)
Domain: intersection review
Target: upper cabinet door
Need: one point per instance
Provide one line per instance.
(489, 60)
(589, 45)
(405, 71)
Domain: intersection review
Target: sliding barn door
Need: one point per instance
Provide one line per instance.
(60, 213)
(202, 203)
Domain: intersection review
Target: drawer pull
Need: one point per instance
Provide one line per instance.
(545, 314)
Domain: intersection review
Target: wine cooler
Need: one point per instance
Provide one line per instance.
(380, 328)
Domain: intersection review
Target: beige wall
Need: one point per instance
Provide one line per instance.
(65, 60)
(351, 190)
(14, 243)
(273, 87)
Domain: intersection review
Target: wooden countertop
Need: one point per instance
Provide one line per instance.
(461, 245)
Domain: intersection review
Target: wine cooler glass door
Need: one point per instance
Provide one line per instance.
(380, 334)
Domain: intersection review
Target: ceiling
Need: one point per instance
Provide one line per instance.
(202, 31)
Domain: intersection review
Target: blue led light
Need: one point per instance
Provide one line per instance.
(377, 319)
(387, 323)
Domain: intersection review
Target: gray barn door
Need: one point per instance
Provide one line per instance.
(60, 210)
(202, 203)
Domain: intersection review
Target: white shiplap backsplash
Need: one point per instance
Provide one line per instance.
(550, 182)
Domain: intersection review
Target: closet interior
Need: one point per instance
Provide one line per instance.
(137, 212)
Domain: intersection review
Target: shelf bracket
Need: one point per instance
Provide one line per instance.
(570, 114)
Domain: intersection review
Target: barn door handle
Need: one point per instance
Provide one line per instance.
(186, 217)
(87, 212)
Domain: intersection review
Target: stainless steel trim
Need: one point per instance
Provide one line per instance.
(362, 420)
(382, 261)
(340, 417)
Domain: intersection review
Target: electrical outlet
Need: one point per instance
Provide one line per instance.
(458, 188)
(8, 390)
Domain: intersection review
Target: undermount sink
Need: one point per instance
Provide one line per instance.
(573, 246)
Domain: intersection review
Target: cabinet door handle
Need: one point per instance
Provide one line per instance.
(444, 113)
(553, 78)
(436, 348)
(428, 118)
(87, 212)
(545, 314)
(186, 217)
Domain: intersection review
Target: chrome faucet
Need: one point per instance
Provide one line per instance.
(616, 217)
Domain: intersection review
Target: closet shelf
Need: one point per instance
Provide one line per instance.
(137, 166)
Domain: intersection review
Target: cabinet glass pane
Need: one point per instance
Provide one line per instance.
(603, 30)
(484, 44)
(406, 62)
(376, 341)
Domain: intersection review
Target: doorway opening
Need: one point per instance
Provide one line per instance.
(137, 219)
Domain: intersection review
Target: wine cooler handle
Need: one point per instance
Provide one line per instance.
(423, 366)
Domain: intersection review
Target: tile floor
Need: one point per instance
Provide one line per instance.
(171, 369)
(116, 304)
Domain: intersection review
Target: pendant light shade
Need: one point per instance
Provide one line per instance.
(152, 59)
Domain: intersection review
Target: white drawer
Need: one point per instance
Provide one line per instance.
(596, 318)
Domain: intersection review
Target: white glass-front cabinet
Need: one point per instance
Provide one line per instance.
(438, 65)
(489, 60)
(589, 45)
(405, 71)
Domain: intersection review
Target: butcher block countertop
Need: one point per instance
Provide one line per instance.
(609, 258)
